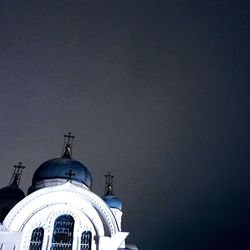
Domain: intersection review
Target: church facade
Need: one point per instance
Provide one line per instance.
(60, 211)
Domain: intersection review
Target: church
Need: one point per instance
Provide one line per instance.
(60, 211)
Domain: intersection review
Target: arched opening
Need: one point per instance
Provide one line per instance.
(62, 237)
(86, 240)
(36, 241)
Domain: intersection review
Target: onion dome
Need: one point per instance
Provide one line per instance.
(12, 194)
(63, 168)
(57, 171)
(111, 200)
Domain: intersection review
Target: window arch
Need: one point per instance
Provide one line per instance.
(62, 237)
(86, 240)
(36, 239)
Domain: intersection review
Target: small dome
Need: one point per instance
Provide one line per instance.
(9, 197)
(113, 201)
(11, 193)
(63, 168)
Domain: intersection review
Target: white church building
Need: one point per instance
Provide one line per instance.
(60, 212)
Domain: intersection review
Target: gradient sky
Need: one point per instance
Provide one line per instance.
(157, 92)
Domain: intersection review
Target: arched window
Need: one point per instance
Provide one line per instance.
(36, 239)
(62, 237)
(86, 240)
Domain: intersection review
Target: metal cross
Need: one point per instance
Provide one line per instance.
(69, 137)
(16, 177)
(67, 146)
(70, 174)
(19, 167)
(109, 183)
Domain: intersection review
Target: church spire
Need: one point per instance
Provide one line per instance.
(109, 184)
(68, 145)
(16, 177)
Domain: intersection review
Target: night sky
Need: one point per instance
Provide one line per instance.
(157, 92)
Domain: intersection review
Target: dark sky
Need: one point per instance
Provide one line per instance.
(157, 92)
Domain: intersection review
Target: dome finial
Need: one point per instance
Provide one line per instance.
(68, 145)
(109, 184)
(16, 177)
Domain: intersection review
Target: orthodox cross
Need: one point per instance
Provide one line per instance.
(69, 137)
(70, 174)
(16, 177)
(68, 144)
(109, 184)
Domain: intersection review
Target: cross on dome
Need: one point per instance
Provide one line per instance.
(70, 174)
(68, 145)
(16, 177)
(109, 184)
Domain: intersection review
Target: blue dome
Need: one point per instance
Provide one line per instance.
(113, 201)
(11, 193)
(9, 197)
(60, 168)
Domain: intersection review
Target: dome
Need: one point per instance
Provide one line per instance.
(63, 168)
(9, 197)
(60, 170)
(12, 193)
(113, 201)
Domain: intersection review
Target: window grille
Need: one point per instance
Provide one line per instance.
(36, 239)
(86, 240)
(63, 233)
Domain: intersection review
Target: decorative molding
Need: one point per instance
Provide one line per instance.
(67, 188)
